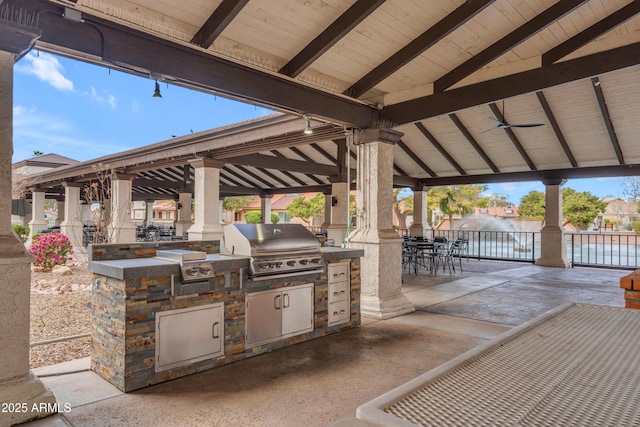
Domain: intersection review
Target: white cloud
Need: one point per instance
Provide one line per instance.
(47, 68)
(102, 98)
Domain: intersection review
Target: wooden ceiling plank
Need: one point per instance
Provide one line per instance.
(280, 163)
(239, 176)
(433, 35)
(556, 128)
(508, 86)
(307, 159)
(473, 142)
(324, 153)
(512, 136)
(505, 44)
(602, 103)
(286, 172)
(415, 158)
(330, 36)
(601, 27)
(254, 176)
(440, 148)
(217, 22)
(273, 176)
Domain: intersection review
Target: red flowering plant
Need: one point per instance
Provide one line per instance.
(50, 250)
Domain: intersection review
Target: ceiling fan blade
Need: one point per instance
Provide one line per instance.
(525, 125)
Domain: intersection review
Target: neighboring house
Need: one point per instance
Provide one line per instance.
(279, 204)
(164, 213)
(618, 212)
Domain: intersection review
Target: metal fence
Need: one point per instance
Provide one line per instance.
(610, 250)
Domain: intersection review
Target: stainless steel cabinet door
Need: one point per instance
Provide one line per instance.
(297, 309)
(263, 316)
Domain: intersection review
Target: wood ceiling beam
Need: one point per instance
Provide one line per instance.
(280, 163)
(330, 36)
(253, 175)
(602, 103)
(440, 148)
(538, 175)
(556, 128)
(281, 157)
(507, 43)
(476, 146)
(273, 176)
(596, 30)
(239, 176)
(512, 136)
(415, 158)
(508, 86)
(307, 159)
(230, 190)
(424, 41)
(114, 45)
(217, 22)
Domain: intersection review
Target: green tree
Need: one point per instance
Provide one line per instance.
(532, 205)
(254, 217)
(236, 203)
(402, 206)
(581, 208)
(457, 199)
(306, 209)
(631, 189)
(495, 199)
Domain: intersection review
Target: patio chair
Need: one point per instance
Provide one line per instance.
(449, 254)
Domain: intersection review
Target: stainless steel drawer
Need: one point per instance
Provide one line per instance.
(338, 272)
(339, 292)
(339, 312)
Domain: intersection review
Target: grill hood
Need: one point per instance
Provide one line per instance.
(258, 240)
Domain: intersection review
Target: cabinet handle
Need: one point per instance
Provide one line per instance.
(338, 293)
(215, 330)
(275, 302)
(286, 301)
(338, 275)
(335, 313)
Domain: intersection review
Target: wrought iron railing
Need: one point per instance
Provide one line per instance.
(610, 250)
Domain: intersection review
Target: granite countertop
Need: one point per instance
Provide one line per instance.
(331, 252)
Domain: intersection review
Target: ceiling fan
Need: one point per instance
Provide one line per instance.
(501, 121)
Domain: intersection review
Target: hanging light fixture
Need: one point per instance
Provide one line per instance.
(156, 92)
(307, 125)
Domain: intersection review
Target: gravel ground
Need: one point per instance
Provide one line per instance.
(59, 308)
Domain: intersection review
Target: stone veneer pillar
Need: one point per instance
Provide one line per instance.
(72, 224)
(419, 211)
(17, 383)
(37, 213)
(265, 208)
(206, 225)
(184, 214)
(381, 269)
(121, 228)
(339, 213)
(553, 246)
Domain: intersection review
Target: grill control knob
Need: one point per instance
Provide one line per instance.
(192, 271)
(291, 263)
(315, 261)
(278, 264)
(205, 270)
(304, 261)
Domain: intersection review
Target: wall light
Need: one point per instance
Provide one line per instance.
(307, 125)
(156, 92)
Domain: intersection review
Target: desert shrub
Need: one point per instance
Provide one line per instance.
(253, 217)
(21, 231)
(636, 226)
(50, 249)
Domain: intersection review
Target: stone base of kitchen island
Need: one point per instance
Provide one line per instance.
(124, 310)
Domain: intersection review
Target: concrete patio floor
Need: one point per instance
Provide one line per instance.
(323, 381)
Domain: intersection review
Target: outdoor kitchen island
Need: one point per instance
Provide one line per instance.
(163, 310)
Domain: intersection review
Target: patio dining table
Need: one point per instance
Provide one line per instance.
(418, 252)
(576, 365)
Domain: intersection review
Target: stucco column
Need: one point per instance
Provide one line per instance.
(327, 213)
(121, 228)
(381, 269)
(206, 225)
(184, 214)
(72, 224)
(148, 215)
(339, 212)
(553, 246)
(37, 213)
(419, 212)
(60, 211)
(17, 383)
(265, 208)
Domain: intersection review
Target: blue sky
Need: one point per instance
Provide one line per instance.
(84, 111)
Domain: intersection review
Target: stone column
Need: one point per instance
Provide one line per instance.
(206, 225)
(121, 228)
(339, 212)
(17, 383)
(37, 213)
(553, 246)
(72, 224)
(184, 214)
(419, 211)
(381, 269)
(60, 211)
(148, 216)
(327, 213)
(265, 208)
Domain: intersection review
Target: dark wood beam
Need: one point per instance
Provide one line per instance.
(273, 176)
(516, 84)
(539, 175)
(324, 153)
(280, 163)
(113, 45)
(440, 148)
(556, 128)
(158, 183)
(330, 36)
(239, 176)
(281, 157)
(217, 22)
(602, 103)
(512, 136)
(505, 44)
(298, 152)
(224, 174)
(424, 41)
(476, 146)
(596, 30)
(229, 190)
(401, 145)
(254, 176)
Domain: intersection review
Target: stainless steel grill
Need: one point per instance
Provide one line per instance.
(275, 250)
(194, 266)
